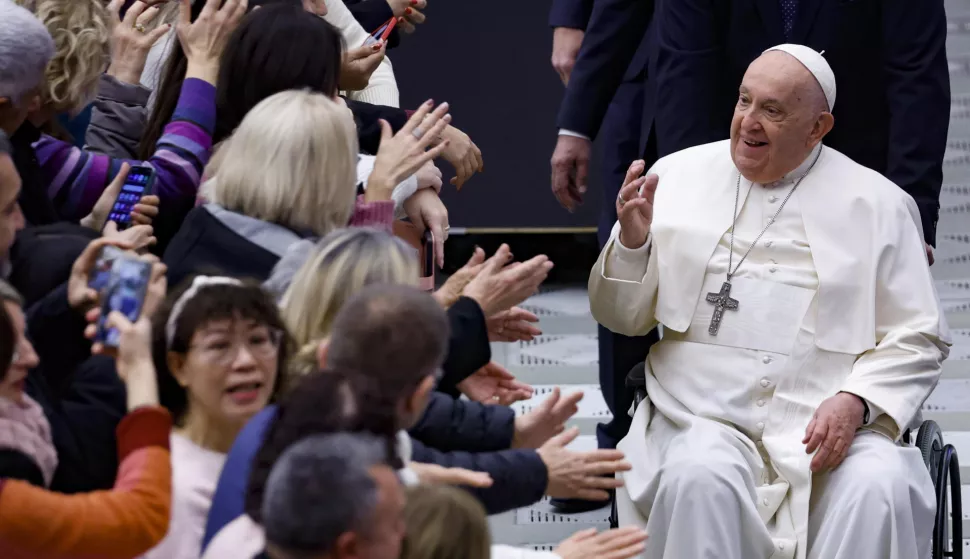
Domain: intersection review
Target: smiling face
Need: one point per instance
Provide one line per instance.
(780, 116)
(229, 371)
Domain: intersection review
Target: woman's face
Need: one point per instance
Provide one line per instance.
(24, 358)
(230, 369)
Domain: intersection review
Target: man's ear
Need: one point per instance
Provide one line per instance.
(347, 546)
(823, 125)
(322, 351)
(176, 366)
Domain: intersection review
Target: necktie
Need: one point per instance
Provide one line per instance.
(788, 10)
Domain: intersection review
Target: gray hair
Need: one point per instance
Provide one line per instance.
(25, 50)
(319, 489)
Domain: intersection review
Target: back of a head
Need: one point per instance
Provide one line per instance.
(276, 48)
(341, 265)
(444, 522)
(327, 402)
(320, 488)
(25, 49)
(394, 334)
(82, 38)
(292, 161)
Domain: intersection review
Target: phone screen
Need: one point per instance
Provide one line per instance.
(101, 275)
(137, 184)
(125, 293)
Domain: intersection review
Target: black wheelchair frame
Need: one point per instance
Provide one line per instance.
(940, 459)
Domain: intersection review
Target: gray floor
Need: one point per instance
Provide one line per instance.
(566, 355)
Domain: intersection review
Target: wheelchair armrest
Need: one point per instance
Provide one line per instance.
(637, 377)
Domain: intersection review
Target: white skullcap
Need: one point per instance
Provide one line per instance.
(815, 64)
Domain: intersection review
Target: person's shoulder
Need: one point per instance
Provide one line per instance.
(697, 155)
(865, 184)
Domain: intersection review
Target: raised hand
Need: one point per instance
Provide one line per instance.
(499, 286)
(620, 543)
(448, 294)
(401, 155)
(132, 38)
(634, 205)
(579, 475)
(494, 384)
(439, 475)
(513, 325)
(204, 39)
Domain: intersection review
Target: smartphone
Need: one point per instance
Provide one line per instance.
(427, 264)
(101, 275)
(381, 33)
(125, 293)
(138, 183)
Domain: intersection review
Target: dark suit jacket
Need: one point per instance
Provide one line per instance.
(893, 102)
(618, 46)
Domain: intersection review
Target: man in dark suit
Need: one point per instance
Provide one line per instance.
(606, 87)
(889, 59)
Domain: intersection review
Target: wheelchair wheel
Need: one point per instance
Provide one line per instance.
(944, 531)
(639, 395)
(930, 444)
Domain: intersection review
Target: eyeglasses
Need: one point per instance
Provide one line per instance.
(262, 344)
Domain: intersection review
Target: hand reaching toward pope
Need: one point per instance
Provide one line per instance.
(832, 429)
(634, 205)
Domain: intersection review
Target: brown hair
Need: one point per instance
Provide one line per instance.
(443, 523)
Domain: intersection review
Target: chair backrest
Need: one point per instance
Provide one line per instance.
(422, 242)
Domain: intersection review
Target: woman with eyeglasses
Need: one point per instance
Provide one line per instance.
(219, 345)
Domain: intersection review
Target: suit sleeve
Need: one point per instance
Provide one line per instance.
(616, 28)
(918, 93)
(689, 55)
(573, 14)
(468, 347)
(520, 476)
(450, 424)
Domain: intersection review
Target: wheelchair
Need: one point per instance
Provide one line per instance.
(940, 459)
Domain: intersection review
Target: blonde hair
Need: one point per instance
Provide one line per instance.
(444, 522)
(82, 43)
(292, 161)
(341, 264)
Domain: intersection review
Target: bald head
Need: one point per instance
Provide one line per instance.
(781, 115)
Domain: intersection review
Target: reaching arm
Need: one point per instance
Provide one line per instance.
(450, 424)
(689, 61)
(615, 30)
(918, 92)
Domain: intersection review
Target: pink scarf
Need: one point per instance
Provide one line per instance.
(24, 428)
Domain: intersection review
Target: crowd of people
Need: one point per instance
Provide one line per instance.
(278, 381)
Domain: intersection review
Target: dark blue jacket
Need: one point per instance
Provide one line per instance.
(474, 433)
(892, 108)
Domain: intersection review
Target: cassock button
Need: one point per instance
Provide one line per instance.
(772, 199)
(769, 243)
(761, 403)
(764, 502)
(761, 426)
(765, 382)
(781, 547)
(773, 269)
(766, 360)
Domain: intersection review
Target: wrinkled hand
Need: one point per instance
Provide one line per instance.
(358, 66)
(499, 286)
(620, 543)
(513, 325)
(570, 170)
(832, 430)
(565, 48)
(433, 474)
(138, 237)
(579, 475)
(494, 384)
(448, 294)
(427, 211)
(204, 39)
(634, 206)
(401, 155)
(535, 428)
(463, 155)
(930, 257)
(129, 44)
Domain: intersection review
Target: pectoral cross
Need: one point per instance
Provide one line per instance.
(721, 300)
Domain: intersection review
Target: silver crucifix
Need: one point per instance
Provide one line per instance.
(721, 301)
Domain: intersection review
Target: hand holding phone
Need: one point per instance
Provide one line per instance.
(138, 183)
(125, 293)
(381, 33)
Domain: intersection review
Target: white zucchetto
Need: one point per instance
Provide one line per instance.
(815, 64)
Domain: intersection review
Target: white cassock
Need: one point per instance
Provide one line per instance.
(836, 296)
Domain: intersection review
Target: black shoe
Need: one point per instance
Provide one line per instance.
(574, 506)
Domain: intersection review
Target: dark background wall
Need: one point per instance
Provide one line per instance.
(491, 63)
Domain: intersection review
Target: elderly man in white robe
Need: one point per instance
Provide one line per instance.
(801, 335)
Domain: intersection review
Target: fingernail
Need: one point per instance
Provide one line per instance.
(407, 11)
(377, 46)
(429, 102)
(414, 2)
(400, 20)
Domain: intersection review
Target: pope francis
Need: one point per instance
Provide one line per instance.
(801, 334)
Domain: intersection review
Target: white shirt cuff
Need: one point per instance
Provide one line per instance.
(564, 132)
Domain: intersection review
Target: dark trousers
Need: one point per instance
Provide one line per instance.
(618, 354)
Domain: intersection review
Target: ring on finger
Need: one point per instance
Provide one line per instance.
(620, 200)
(418, 133)
(140, 28)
